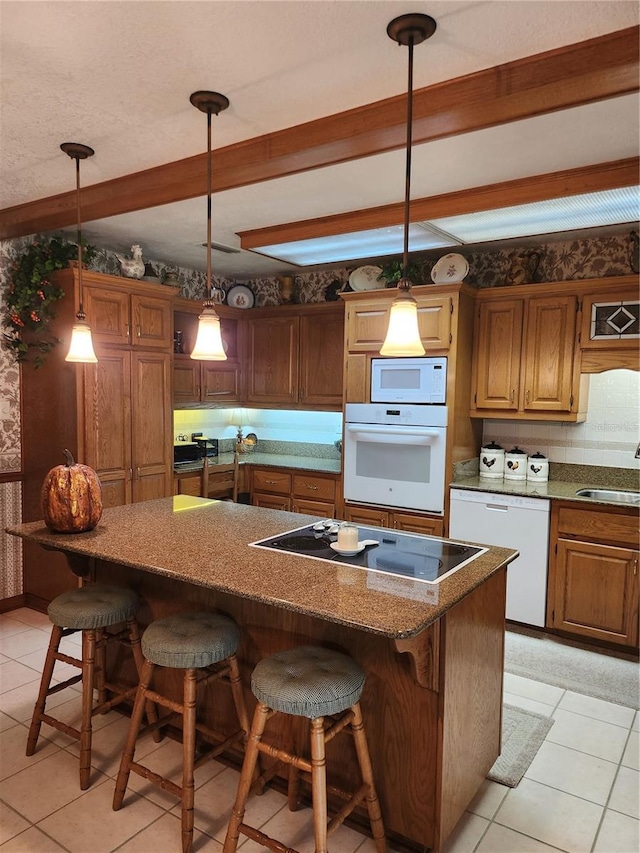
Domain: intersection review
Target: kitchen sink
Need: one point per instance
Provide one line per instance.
(613, 495)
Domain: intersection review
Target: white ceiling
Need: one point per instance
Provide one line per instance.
(118, 75)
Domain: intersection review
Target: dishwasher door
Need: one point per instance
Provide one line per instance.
(509, 521)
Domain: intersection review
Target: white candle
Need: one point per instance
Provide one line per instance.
(348, 537)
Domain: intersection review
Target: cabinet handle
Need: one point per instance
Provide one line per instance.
(527, 397)
(138, 473)
(513, 394)
(271, 482)
(139, 330)
(309, 486)
(635, 566)
(131, 473)
(127, 329)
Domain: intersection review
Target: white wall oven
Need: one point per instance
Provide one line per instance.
(394, 455)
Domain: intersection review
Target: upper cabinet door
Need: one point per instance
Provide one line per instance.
(151, 425)
(321, 359)
(108, 314)
(497, 355)
(272, 375)
(220, 382)
(152, 322)
(434, 322)
(550, 341)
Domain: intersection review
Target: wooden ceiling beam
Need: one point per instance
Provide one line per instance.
(604, 67)
(621, 173)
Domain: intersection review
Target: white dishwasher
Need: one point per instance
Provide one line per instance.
(509, 521)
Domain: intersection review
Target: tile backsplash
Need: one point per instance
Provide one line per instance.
(609, 436)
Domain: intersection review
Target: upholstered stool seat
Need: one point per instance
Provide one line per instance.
(203, 645)
(90, 609)
(316, 683)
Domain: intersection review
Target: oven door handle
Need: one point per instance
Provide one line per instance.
(386, 434)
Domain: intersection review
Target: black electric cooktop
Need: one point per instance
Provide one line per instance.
(407, 555)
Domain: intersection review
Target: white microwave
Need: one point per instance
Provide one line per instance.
(409, 380)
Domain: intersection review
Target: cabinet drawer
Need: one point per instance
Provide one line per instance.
(277, 482)
(604, 526)
(326, 510)
(313, 487)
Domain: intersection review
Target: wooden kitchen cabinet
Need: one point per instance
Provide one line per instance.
(395, 519)
(593, 573)
(295, 355)
(315, 494)
(526, 359)
(215, 383)
(114, 415)
(120, 317)
(609, 333)
(271, 488)
(367, 321)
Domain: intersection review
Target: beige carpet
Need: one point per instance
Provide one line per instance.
(564, 663)
(522, 735)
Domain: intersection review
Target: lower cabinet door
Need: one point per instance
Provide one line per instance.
(271, 501)
(417, 524)
(326, 510)
(596, 591)
(366, 515)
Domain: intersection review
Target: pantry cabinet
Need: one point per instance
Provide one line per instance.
(593, 572)
(526, 359)
(114, 415)
(294, 356)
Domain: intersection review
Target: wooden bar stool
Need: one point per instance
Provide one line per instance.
(311, 682)
(204, 646)
(90, 609)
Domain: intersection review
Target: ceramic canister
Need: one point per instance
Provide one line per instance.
(491, 464)
(538, 468)
(515, 464)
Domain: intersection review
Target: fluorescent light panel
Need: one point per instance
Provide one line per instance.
(360, 244)
(610, 207)
(591, 210)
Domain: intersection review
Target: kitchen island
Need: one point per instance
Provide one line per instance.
(433, 653)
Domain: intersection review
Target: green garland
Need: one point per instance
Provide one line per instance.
(30, 296)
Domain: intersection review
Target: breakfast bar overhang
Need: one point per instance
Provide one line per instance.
(433, 653)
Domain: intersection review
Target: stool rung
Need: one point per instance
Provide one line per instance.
(339, 818)
(286, 757)
(159, 699)
(103, 707)
(211, 675)
(62, 685)
(217, 750)
(338, 726)
(162, 723)
(265, 840)
(62, 727)
(68, 659)
(161, 781)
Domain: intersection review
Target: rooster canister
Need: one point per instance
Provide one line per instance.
(491, 465)
(538, 468)
(515, 464)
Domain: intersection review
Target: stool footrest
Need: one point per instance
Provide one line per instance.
(218, 749)
(62, 685)
(68, 659)
(165, 784)
(104, 707)
(353, 800)
(265, 840)
(286, 757)
(60, 726)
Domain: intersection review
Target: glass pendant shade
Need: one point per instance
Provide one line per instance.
(403, 335)
(81, 346)
(208, 345)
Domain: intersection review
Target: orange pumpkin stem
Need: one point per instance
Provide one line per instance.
(69, 461)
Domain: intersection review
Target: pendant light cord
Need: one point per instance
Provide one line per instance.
(407, 191)
(79, 233)
(209, 205)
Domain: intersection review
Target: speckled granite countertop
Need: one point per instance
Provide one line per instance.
(554, 489)
(206, 543)
(275, 460)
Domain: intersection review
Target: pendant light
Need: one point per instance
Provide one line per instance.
(81, 346)
(208, 346)
(403, 335)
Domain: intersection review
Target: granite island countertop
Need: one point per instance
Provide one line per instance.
(275, 460)
(207, 543)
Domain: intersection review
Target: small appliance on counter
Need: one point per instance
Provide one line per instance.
(185, 453)
(538, 468)
(206, 446)
(515, 464)
(491, 465)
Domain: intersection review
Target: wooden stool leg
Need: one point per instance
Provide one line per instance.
(134, 728)
(88, 671)
(293, 797)
(238, 695)
(188, 757)
(319, 784)
(101, 665)
(364, 759)
(138, 657)
(45, 682)
(248, 767)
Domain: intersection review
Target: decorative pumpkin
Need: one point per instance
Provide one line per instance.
(71, 497)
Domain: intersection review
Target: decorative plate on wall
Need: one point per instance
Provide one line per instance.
(240, 296)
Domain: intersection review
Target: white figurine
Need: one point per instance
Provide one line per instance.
(132, 267)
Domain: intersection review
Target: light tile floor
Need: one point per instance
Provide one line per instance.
(579, 795)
